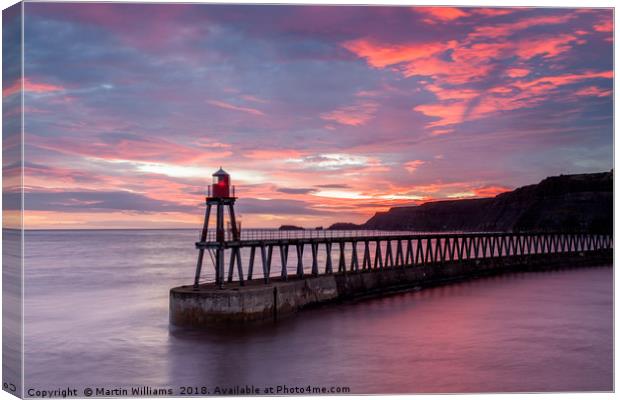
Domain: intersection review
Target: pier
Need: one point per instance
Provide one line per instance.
(262, 275)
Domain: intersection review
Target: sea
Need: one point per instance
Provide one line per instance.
(96, 317)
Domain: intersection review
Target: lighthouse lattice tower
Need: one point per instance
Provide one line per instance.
(218, 195)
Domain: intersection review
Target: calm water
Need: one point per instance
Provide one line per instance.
(96, 314)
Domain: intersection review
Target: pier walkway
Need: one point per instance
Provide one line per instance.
(360, 250)
(270, 274)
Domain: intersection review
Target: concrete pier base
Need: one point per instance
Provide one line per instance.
(255, 302)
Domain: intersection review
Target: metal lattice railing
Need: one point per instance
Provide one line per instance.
(362, 250)
(275, 234)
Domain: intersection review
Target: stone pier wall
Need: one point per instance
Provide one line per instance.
(259, 302)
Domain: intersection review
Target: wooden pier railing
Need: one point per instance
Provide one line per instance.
(357, 251)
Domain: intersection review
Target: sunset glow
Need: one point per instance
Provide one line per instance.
(319, 114)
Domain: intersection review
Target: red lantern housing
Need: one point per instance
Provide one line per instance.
(221, 184)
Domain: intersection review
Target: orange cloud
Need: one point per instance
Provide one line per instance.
(29, 86)
(440, 190)
(470, 61)
(442, 14)
(117, 220)
(490, 191)
(382, 55)
(492, 12)
(424, 59)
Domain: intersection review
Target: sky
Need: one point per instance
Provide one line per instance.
(320, 114)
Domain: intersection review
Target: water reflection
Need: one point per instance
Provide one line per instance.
(95, 320)
(517, 332)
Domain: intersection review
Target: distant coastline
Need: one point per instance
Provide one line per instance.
(569, 203)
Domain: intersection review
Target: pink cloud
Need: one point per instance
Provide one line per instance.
(413, 165)
(451, 94)
(51, 177)
(440, 14)
(278, 154)
(507, 29)
(438, 132)
(478, 52)
(355, 115)
(550, 82)
(605, 26)
(490, 191)
(228, 106)
(29, 86)
(531, 92)
(547, 47)
(254, 99)
(519, 94)
(449, 72)
(502, 90)
(136, 148)
(470, 61)
(423, 59)
(448, 113)
(473, 59)
(593, 91)
(381, 55)
(517, 72)
(492, 12)
(210, 144)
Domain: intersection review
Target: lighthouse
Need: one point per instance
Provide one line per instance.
(218, 195)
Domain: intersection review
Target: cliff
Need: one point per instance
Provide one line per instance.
(581, 202)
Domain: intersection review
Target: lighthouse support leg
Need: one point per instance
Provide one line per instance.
(219, 268)
(220, 224)
(219, 260)
(201, 252)
(233, 222)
